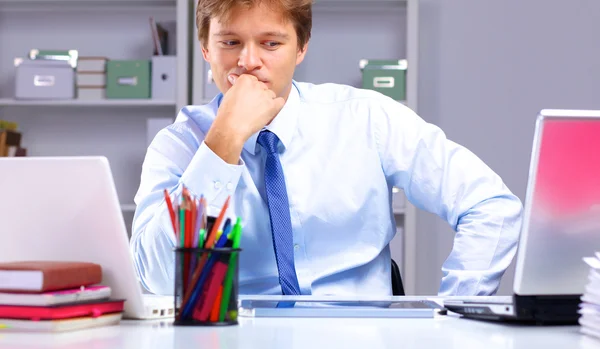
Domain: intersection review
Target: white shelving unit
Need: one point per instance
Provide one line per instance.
(347, 31)
(117, 29)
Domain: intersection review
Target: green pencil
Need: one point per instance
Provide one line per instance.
(201, 238)
(235, 237)
(182, 221)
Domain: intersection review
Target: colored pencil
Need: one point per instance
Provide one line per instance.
(171, 211)
(205, 268)
(214, 313)
(209, 242)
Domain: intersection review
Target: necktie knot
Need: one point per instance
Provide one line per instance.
(268, 140)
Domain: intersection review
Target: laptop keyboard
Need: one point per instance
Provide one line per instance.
(487, 299)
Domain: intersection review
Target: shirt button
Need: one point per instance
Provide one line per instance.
(296, 247)
(217, 185)
(230, 186)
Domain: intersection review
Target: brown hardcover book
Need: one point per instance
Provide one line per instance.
(43, 276)
(7, 139)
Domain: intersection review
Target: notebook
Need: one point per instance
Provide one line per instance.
(63, 311)
(10, 325)
(42, 276)
(80, 294)
(589, 308)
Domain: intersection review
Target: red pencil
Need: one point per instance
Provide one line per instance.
(171, 211)
(214, 313)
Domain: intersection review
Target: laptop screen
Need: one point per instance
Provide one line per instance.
(568, 173)
(562, 212)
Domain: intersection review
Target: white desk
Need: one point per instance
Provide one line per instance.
(265, 333)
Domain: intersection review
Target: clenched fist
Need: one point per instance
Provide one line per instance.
(246, 108)
(249, 105)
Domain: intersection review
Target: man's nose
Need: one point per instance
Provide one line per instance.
(250, 58)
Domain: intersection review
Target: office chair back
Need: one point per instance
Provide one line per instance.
(397, 286)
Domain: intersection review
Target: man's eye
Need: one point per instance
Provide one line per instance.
(272, 44)
(229, 42)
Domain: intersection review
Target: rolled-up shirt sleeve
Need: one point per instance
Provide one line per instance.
(176, 157)
(445, 178)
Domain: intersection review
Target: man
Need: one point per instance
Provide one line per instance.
(309, 168)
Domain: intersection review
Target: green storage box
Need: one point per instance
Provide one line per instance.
(128, 79)
(385, 76)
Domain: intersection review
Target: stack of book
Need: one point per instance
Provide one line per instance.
(55, 296)
(91, 78)
(590, 301)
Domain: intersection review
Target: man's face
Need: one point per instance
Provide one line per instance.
(256, 41)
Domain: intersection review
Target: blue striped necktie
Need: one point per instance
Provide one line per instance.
(279, 213)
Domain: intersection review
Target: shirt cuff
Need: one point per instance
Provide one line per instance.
(209, 175)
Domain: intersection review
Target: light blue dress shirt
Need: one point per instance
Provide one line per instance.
(342, 150)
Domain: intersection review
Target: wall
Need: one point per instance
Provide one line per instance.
(486, 69)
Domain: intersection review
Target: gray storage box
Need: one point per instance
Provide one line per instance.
(44, 79)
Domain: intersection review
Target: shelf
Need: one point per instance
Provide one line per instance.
(9, 102)
(70, 5)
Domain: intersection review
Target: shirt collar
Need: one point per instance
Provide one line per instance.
(284, 124)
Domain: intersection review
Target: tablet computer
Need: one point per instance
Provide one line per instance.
(341, 308)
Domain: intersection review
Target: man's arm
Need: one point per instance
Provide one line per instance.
(177, 156)
(208, 165)
(444, 178)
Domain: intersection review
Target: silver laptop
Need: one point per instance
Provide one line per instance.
(66, 208)
(561, 224)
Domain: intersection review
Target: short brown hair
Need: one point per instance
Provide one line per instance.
(298, 11)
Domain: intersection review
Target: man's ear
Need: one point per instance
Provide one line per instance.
(205, 53)
(301, 53)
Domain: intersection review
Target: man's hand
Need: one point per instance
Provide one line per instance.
(246, 108)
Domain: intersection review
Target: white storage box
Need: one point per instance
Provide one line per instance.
(44, 79)
(164, 77)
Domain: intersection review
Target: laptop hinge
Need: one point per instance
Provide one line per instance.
(551, 309)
